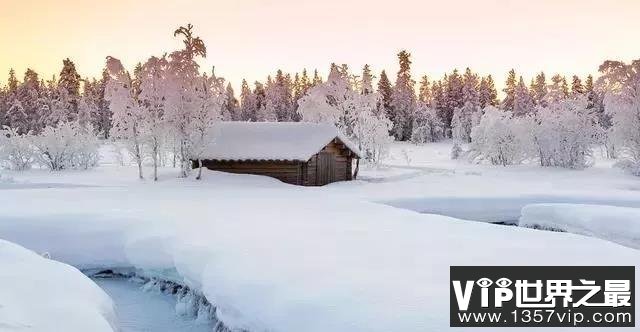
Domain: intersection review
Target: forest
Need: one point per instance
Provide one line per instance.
(162, 110)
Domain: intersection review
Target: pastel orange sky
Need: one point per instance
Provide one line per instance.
(252, 38)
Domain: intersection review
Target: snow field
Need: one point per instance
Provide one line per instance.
(277, 257)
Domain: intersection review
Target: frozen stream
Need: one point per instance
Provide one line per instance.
(138, 310)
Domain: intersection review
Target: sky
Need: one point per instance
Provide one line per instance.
(252, 38)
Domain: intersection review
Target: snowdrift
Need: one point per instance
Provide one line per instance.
(616, 224)
(39, 294)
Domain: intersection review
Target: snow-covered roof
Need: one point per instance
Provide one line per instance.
(290, 141)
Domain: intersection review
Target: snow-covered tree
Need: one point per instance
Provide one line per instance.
(510, 91)
(487, 92)
(621, 85)
(127, 115)
(385, 91)
(278, 93)
(456, 151)
(354, 114)
(63, 107)
(499, 138)
(69, 86)
(427, 125)
(453, 98)
(403, 99)
(86, 109)
(370, 130)
(12, 82)
(16, 114)
(367, 81)
(153, 93)
(577, 88)
(330, 102)
(86, 154)
(94, 94)
(539, 89)
(182, 76)
(424, 90)
(523, 104)
(248, 103)
(468, 115)
(16, 150)
(67, 145)
(209, 102)
(557, 90)
(316, 78)
(565, 134)
(231, 103)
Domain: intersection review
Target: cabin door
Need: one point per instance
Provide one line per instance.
(326, 168)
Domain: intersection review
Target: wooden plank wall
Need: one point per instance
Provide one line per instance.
(342, 169)
(289, 172)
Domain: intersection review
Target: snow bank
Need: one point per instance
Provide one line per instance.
(498, 208)
(285, 258)
(39, 294)
(616, 224)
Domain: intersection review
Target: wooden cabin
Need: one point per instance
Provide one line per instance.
(299, 153)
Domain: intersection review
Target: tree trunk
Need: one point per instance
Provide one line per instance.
(139, 161)
(174, 157)
(184, 161)
(199, 170)
(155, 163)
(355, 172)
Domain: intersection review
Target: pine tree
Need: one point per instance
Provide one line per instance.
(403, 103)
(35, 102)
(68, 92)
(522, 102)
(316, 78)
(385, 91)
(467, 115)
(557, 90)
(539, 89)
(595, 103)
(510, 91)
(259, 92)
(453, 98)
(305, 83)
(12, 83)
(588, 84)
(367, 81)
(247, 103)
(231, 103)
(279, 96)
(297, 87)
(454, 90)
(576, 86)
(487, 92)
(31, 79)
(102, 120)
(69, 78)
(565, 87)
(438, 98)
(424, 91)
(470, 85)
